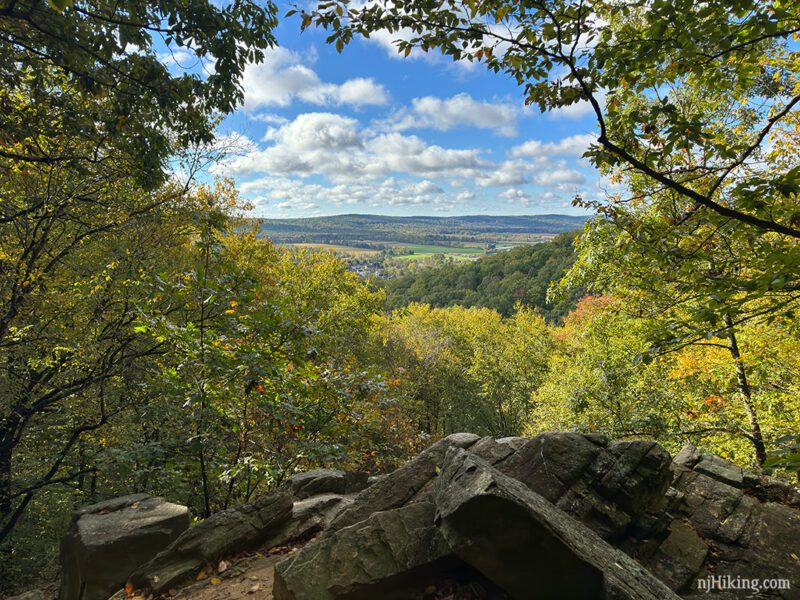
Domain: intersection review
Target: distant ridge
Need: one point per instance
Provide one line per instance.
(417, 228)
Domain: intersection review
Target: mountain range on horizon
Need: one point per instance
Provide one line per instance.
(398, 229)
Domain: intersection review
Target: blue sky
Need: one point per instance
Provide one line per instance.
(367, 131)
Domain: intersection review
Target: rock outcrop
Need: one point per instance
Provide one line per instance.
(560, 515)
(591, 503)
(327, 481)
(109, 540)
(528, 546)
(376, 558)
(229, 531)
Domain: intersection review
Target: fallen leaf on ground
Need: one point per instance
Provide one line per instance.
(216, 581)
(201, 575)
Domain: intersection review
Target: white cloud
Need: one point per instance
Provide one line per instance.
(333, 145)
(510, 172)
(393, 152)
(573, 146)
(289, 196)
(450, 113)
(561, 177)
(465, 197)
(270, 118)
(294, 205)
(283, 78)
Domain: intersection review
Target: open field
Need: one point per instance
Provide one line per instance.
(420, 251)
(338, 249)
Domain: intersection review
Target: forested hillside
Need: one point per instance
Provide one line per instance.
(420, 230)
(499, 281)
(154, 340)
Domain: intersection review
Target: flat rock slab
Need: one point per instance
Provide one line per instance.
(526, 545)
(109, 540)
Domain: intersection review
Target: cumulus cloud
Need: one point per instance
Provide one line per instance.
(561, 176)
(509, 172)
(290, 196)
(572, 146)
(283, 78)
(333, 145)
(450, 113)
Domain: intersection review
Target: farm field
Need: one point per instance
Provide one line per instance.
(420, 251)
(339, 249)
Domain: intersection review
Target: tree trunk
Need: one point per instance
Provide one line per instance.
(747, 398)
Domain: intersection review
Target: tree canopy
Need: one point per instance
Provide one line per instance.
(95, 70)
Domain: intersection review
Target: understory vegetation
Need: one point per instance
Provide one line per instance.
(150, 341)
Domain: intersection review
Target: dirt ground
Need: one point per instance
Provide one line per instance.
(251, 578)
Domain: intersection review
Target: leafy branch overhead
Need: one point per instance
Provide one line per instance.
(623, 59)
(106, 53)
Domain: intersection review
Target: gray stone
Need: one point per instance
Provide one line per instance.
(527, 546)
(318, 481)
(720, 469)
(551, 462)
(636, 476)
(109, 540)
(749, 536)
(404, 484)
(491, 450)
(223, 533)
(308, 516)
(375, 558)
(514, 442)
(687, 457)
(680, 557)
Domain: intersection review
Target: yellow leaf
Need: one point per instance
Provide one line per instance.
(339, 10)
(216, 581)
(201, 575)
(408, 50)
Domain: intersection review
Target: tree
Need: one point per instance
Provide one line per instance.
(567, 51)
(696, 108)
(464, 369)
(62, 57)
(497, 281)
(700, 274)
(89, 120)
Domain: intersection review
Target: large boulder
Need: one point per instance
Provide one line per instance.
(223, 533)
(109, 540)
(617, 489)
(411, 482)
(376, 558)
(528, 546)
(327, 481)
